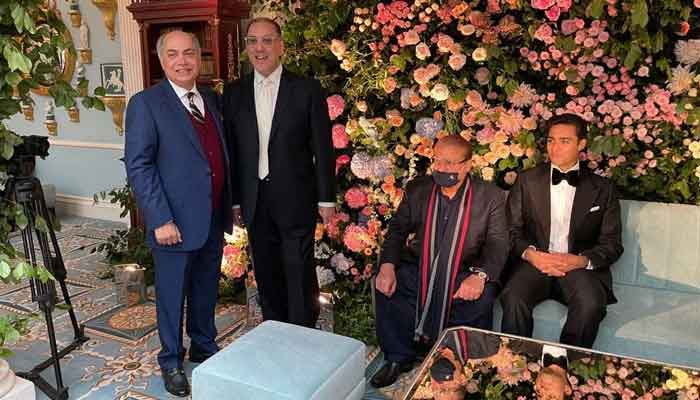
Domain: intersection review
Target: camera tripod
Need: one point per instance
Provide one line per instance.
(26, 192)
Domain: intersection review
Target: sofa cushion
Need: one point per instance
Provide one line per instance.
(283, 361)
(662, 246)
(655, 324)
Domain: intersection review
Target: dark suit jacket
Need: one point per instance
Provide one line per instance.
(486, 246)
(167, 168)
(595, 229)
(300, 150)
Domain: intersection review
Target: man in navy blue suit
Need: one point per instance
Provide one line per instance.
(178, 167)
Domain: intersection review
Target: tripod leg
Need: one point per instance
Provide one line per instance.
(54, 349)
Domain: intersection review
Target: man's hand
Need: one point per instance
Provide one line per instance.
(386, 279)
(570, 262)
(471, 288)
(237, 216)
(326, 214)
(548, 264)
(168, 234)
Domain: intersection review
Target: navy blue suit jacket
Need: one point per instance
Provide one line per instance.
(167, 168)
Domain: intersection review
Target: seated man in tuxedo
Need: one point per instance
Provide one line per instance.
(566, 233)
(448, 274)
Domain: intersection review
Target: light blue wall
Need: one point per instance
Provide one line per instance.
(80, 171)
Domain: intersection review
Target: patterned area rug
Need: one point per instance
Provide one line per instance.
(119, 360)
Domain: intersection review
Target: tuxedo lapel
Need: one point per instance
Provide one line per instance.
(250, 116)
(180, 115)
(542, 201)
(586, 193)
(283, 98)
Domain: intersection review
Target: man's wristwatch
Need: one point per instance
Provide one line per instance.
(480, 273)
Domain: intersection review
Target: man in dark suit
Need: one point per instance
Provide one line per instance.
(280, 133)
(566, 233)
(177, 165)
(448, 274)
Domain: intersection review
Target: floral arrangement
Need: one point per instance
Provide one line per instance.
(400, 74)
(508, 375)
(235, 261)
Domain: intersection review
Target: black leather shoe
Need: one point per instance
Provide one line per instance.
(197, 357)
(389, 373)
(176, 382)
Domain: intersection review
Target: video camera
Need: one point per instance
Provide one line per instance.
(23, 160)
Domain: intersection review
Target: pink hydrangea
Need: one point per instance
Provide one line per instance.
(336, 104)
(553, 13)
(356, 198)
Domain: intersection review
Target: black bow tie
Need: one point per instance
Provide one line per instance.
(550, 360)
(572, 177)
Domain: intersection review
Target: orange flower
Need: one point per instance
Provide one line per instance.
(459, 9)
(454, 105)
(399, 150)
(368, 251)
(466, 134)
(437, 115)
(394, 118)
(387, 188)
(319, 231)
(389, 84)
(390, 179)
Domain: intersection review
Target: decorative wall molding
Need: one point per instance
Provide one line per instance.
(67, 204)
(130, 40)
(81, 144)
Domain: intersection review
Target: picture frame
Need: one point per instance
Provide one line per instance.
(113, 79)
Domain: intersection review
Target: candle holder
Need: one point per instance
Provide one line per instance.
(129, 284)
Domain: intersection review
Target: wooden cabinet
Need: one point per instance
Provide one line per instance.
(217, 24)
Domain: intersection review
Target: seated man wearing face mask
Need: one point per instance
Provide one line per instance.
(447, 274)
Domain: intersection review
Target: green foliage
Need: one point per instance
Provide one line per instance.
(352, 311)
(30, 42)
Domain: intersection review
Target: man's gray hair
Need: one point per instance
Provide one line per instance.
(160, 44)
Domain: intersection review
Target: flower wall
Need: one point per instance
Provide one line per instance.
(401, 74)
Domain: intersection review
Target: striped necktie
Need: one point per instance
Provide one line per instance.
(194, 109)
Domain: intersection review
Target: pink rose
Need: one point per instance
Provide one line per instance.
(340, 138)
(457, 61)
(564, 4)
(422, 51)
(542, 4)
(356, 198)
(336, 104)
(553, 13)
(340, 161)
(544, 33)
(568, 26)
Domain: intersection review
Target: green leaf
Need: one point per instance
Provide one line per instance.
(21, 220)
(20, 272)
(41, 225)
(8, 150)
(18, 14)
(5, 353)
(13, 78)
(11, 335)
(595, 8)
(4, 270)
(640, 13)
(98, 104)
(632, 56)
(99, 91)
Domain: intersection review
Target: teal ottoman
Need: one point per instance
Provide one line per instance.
(283, 361)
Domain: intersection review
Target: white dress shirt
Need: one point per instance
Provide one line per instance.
(561, 199)
(182, 95)
(265, 90)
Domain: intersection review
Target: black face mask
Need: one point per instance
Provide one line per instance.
(445, 179)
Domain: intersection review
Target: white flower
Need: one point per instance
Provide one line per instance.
(325, 276)
(681, 80)
(523, 96)
(688, 52)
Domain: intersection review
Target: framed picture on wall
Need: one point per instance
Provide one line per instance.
(113, 79)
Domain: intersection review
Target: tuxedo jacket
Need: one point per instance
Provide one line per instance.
(595, 230)
(300, 150)
(167, 168)
(486, 245)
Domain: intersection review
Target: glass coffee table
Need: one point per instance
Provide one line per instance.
(469, 363)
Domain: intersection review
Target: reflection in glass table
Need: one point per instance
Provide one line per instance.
(469, 363)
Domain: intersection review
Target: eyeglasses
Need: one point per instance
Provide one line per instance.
(265, 40)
